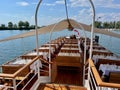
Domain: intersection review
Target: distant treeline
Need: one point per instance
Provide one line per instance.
(24, 25)
(108, 25)
(20, 26)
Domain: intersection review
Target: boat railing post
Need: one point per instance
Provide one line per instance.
(49, 61)
(38, 67)
(14, 84)
(99, 88)
(84, 52)
(84, 61)
(50, 49)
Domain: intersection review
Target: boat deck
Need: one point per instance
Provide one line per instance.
(59, 87)
(69, 75)
(68, 78)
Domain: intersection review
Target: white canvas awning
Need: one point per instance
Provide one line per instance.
(62, 25)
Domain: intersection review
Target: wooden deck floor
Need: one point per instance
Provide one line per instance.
(69, 75)
(59, 87)
(68, 78)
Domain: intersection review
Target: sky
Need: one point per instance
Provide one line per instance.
(52, 11)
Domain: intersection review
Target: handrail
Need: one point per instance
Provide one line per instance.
(45, 61)
(20, 70)
(28, 82)
(6, 75)
(98, 79)
(95, 72)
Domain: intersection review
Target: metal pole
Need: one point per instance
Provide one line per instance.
(92, 28)
(84, 55)
(91, 41)
(84, 52)
(36, 26)
(36, 32)
(50, 49)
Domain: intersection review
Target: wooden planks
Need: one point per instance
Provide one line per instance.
(68, 61)
(59, 87)
(107, 61)
(114, 77)
(69, 75)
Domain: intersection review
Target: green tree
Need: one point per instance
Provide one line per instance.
(3, 25)
(26, 24)
(114, 24)
(118, 25)
(15, 26)
(98, 24)
(20, 24)
(10, 25)
(105, 25)
(111, 25)
(32, 27)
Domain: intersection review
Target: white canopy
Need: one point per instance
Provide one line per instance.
(62, 25)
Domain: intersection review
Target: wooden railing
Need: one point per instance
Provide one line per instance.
(98, 79)
(19, 71)
(26, 78)
(17, 76)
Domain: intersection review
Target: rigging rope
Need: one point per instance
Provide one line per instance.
(70, 27)
(66, 10)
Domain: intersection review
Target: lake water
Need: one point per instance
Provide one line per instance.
(13, 48)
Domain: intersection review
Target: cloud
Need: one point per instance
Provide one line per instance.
(108, 17)
(97, 3)
(79, 3)
(22, 3)
(48, 20)
(49, 4)
(84, 16)
(60, 2)
(107, 4)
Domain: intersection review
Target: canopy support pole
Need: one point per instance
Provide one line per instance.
(92, 32)
(36, 33)
(50, 49)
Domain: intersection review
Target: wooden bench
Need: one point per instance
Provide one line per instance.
(107, 61)
(69, 51)
(103, 53)
(68, 61)
(114, 77)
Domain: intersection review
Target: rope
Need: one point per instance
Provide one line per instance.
(66, 10)
(69, 24)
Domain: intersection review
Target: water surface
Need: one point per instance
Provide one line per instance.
(13, 48)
